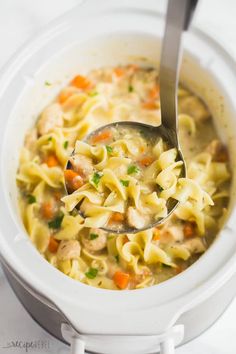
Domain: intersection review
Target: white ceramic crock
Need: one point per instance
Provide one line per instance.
(89, 36)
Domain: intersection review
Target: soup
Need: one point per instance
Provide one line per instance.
(84, 251)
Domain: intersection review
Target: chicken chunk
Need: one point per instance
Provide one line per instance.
(143, 81)
(194, 107)
(136, 219)
(172, 234)
(195, 245)
(68, 249)
(82, 165)
(51, 117)
(95, 240)
(218, 151)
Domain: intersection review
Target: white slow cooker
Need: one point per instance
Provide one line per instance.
(96, 34)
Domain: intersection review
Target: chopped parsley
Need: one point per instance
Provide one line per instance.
(132, 169)
(93, 236)
(96, 178)
(56, 222)
(47, 83)
(124, 182)
(92, 273)
(117, 258)
(130, 88)
(31, 199)
(50, 138)
(93, 93)
(66, 144)
(109, 149)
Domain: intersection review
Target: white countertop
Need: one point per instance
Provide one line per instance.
(20, 19)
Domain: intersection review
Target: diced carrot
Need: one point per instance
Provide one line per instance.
(222, 156)
(153, 93)
(121, 279)
(189, 229)
(156, 234)
(77, 182)
(73, 180)
(64, 95)
(53, 245)
(70, 175)
(51, 161)
(48, 210)
(57, 195)
(149, 105)
(117, 217)
(126, 239)
(101, 136)
(179, 269)
(81, 82)
(146, 161)
(119, 72)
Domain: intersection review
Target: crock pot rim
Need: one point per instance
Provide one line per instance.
(8, 70)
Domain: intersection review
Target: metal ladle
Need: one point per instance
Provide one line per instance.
(179, 14)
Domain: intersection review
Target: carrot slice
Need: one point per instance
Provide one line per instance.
(154, 93)
(189, 230)
(121, 279)
(119, 72)
(73, 179)
(156, 235)
(117, 217)
(53, 245)
(149, 105)
(48, 210)
(51, 161)
(81, 82)
(146, 161)
(101, 136)
(63, 96)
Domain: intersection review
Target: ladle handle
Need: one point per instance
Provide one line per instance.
(179, 15)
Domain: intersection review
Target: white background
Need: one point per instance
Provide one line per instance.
(19, 20)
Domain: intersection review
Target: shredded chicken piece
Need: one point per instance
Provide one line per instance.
(68, 249)
(95, 240)
(218, 151)
(51, 117)
(172, 234)
(195, 245)
(82, 165)
(193, 106)
(136, 219)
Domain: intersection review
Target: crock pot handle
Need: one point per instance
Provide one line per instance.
(164, 342)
